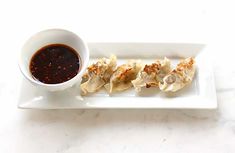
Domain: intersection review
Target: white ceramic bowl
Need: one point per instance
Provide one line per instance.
(53, 36)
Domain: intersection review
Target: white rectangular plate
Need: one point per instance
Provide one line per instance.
(200, 94)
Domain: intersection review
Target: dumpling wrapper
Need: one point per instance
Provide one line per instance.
(179, 77)
(123, 75)
(98, 74)
(151, 75)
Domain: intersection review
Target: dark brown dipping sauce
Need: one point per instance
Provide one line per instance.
(55, 63)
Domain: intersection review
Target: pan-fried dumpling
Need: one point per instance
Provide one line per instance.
(164, 68)
(98, 74)
(151, 75)
(123, 75)
(179, 77)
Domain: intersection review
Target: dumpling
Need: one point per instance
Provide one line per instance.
(98, 74)
(179, 77)
(123, 75)
(164, 68)
(151, 75)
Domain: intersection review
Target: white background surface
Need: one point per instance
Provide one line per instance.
(182, 131)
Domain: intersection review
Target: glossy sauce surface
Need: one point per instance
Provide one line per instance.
(55, 63)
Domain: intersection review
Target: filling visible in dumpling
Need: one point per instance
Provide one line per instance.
(151, 75)
(123, 75)
(179, 77)
(98, 74)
